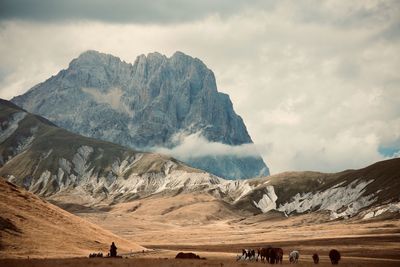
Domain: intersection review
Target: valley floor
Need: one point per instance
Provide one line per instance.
(197, 223)
(188, 228)
(361, 244)
(165, 259)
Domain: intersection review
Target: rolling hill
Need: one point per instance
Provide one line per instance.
(31, 226)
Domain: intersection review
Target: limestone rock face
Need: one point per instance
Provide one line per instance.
(145, 105)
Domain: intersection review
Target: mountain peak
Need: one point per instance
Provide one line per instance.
(181, 54)
(93, 57)
(93, 54)
(156, 55)
(146, 105)
(180, 57)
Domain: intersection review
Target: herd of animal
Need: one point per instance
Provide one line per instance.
(275, 255)
(269, 254)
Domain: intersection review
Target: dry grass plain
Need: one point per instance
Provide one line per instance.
(203, 225)
(199, 223)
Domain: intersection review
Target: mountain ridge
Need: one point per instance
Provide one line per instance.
(54, 163)
(78, 172)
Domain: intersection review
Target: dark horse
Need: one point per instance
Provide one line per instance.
(263, 253)
(272, 255)
(276, 255)
(315, 258)
(334, 255)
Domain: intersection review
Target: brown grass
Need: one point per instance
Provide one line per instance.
(30, 226)
(168, 262)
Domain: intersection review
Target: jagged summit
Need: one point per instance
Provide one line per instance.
(93, 57)
(155, 102)
(93, 54)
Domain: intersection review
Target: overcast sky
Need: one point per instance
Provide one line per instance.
(316, 82)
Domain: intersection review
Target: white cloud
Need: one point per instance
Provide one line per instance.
(195, 145)
(317, 84)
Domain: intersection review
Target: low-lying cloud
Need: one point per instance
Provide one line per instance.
(196, 145)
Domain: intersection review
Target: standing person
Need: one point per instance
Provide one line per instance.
(113, 250)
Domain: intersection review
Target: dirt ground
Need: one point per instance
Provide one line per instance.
(212, 261)
(225, 255)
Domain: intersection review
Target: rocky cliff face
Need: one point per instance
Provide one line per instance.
(145, 105)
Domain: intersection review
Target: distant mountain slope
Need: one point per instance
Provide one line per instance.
(30, 226)
(155, 102)
(79, 173)
(345, 194)
(70, 168)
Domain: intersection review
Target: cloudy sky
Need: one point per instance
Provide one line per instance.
(316, 82)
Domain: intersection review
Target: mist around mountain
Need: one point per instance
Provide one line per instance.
(170, 105)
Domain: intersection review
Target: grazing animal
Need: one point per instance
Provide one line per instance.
(263, 253)
(244, 255)
(315, 258)
(276, 255)
(294, 256)
(334, 255)
(252, 254)
(247, 254)
(187, 255)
